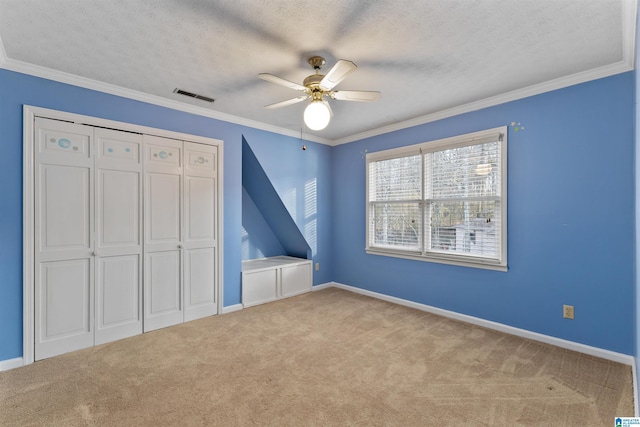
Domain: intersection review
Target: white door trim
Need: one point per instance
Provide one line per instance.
(29, 114)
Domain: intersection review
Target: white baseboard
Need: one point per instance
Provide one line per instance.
(324, 286)
(6, 365)
(636, 395)
(232, 308)
(570, 345)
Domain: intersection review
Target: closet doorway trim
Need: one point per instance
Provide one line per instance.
(29, 115)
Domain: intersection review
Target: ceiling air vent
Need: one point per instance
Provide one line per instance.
(193, 95)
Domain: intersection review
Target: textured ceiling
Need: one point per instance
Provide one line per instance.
(425, 56)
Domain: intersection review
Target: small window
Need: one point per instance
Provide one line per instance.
(442, 201)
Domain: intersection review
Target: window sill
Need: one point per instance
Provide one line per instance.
(451, 260)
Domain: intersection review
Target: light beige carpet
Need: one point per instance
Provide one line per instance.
(325, 358)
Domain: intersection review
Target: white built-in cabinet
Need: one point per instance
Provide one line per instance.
(268, 279)
(124, 234)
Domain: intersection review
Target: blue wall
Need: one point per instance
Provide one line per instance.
(258, 240)
(276, 215)
(302, 179)
(570, 210)
(18, 89)
(571, 207)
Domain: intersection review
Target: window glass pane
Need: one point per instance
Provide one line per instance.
(442, 205)
(396, 225)
(472, 171)
(466, 228)
(396, 179)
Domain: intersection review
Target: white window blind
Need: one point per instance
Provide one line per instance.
(443, 201)
(396, 194)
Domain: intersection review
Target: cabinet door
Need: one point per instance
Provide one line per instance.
(64, 264)
(295, 279)
(118, 234)
(259, 287)
(199, 241)
(163, 232)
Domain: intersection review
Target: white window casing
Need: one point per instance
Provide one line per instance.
(442, 201)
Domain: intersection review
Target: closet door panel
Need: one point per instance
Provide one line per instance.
(64, 209)
(199, 279)
(62, 142)
(118, 298)
(200, 159)
(64, 300)
(63, 231)
(162, 294)
(119, 235)
(163, 217)
(164, 272)
(200, 232)
(200, 209)
(119, 206)
(163, 233)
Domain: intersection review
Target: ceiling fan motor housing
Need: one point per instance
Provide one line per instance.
(313, 84)
(313, 81)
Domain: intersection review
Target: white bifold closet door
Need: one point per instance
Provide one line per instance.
(125, 234)
(199, 239)
(87, 236)
(118, 247)
(163, 232)
(180, 233)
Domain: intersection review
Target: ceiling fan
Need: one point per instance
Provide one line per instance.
(318, 86)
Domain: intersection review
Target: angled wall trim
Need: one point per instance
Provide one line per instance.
(258, 186)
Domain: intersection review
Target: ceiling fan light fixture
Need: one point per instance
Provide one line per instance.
(316, 87)
(317, 115)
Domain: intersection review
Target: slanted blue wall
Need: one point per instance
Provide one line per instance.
(302, 180)
(17, 89)
(275, 213)
(258, 239)
(571, 218)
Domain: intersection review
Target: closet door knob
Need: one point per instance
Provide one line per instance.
(179, 246)
(95, 253)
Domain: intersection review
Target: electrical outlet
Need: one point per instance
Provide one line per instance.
(567, 311)
(317, 266)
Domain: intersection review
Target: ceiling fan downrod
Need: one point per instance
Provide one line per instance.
(317, 62)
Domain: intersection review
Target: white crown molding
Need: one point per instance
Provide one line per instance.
(62, 77)
(559, 83)
(628, 27)
(628, 20)
(3, 54)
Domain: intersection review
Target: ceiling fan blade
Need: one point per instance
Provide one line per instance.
(329, 108)
(338, 73)
(355, 95)
(280, 81)
(287, 102)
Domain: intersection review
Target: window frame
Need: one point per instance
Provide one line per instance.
(423, 254)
